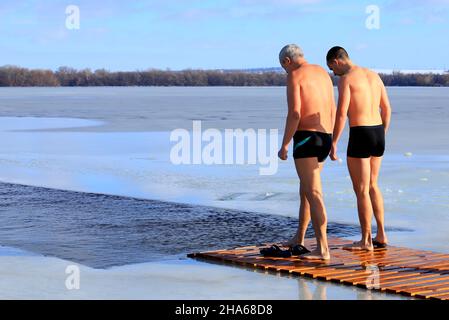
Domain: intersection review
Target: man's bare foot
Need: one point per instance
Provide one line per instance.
(316, 255)
(292, 242)
(359, 246)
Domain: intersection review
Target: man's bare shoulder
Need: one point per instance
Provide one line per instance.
(293, 78)
(373, 76)
(357, 74)
(344, 81)
(317, 68)
(371, 73)
(293, 75)
(302, 73)
(314, 72)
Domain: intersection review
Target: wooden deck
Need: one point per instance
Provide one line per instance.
(417, 273)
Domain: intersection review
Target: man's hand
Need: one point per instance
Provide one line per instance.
(282, 154)
(333, 153)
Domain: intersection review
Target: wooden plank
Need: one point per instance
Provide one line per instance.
(443, 266)
(426, 288)
(389, 277)
(400, 260)
(404, 285)
(391, 260)
(427, 263)
(443, 295)
(330, 272)
(411, 286)
(418, 273)
(301, 270)
(362, 282)
(355, 276)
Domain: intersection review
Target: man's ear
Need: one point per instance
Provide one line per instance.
(286, 60)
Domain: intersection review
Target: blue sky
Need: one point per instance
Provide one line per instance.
(175, 34)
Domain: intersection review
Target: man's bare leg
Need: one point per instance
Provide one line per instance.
(309, 172)
(360, 171)
(320, 292)
(303, 289)
(303, 223)
(304, 217)
(377, 200)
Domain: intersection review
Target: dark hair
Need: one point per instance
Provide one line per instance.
(336, 53)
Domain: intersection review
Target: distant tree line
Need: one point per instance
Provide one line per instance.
(12, 76)
(416, 79)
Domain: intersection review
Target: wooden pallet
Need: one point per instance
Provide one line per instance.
(416, 273)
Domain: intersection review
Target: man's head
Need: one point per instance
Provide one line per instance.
(290, 57)
(337, 60)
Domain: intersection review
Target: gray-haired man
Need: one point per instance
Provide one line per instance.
(310, 122)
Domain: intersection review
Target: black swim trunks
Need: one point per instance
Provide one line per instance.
(310, 144)
(366, 141)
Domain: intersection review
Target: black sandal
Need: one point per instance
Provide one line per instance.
(298, 250)
(379, 245)
(275, 251)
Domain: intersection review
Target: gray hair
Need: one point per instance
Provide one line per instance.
(291, 51)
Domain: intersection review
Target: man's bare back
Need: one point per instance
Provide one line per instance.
(317, 98)
(364, 88)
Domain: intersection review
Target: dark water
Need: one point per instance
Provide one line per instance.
(102, 231)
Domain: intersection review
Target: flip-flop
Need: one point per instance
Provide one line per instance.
(298, 250)
(379, 245)
(275, 251)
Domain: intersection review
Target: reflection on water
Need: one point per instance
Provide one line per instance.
(318, 290)
(307, 288)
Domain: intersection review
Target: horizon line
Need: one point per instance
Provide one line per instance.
(255, 69)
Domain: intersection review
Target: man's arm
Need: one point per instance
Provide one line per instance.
(293, 115)
(344, 98)
(385, 108)
(333, 108)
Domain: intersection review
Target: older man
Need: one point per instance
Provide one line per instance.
(310, 120)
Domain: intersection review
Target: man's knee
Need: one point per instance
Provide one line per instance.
(373, 188)
(363, 190)
(313, 194)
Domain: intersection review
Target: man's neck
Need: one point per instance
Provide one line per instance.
(300, 63)
(349, 66)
